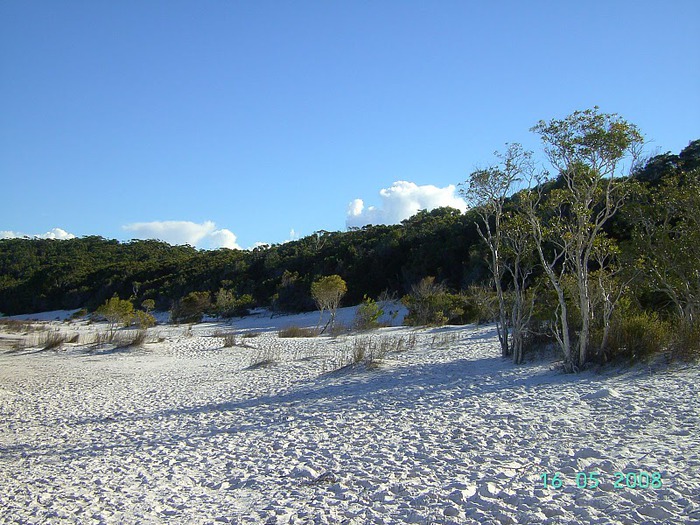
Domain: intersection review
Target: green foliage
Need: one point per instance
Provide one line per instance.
(148, 305)
(665, 245)
(368, 314)
(80, 313)
(191, 308)
(327, 291)
(637, 336)
(479, 304)
(143, 319)
(685, 344)
(427, 304)
(117, 312)
(228, 305)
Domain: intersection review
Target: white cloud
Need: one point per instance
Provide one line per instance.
(56, 233)
(203, 235)
(402, 200)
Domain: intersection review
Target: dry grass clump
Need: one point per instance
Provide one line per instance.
(370, 351)
(53, 340)
(230, 340)
(128, 339)
(265, 356)
(443, 340)
(296, 331)
(23, 327)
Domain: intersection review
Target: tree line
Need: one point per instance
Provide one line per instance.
(580, 253)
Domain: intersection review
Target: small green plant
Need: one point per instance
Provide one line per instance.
(79, 314)
(368, 314)
(638, 336)
(327, 292)
(296, 331)
(685, 343)
(143, 320)
(427, 304)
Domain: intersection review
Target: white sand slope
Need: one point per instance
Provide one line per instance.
(186, 431)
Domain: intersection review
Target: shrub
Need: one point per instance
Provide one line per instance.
(191, 308)
(480, 305)
(144, 320)
(685, 342)
(116, 311)
(230, 340)
(368, 314)
(228, 305)
(637, 336)
(296, 331)
(148, 305)
(427, 304)
(79, 314)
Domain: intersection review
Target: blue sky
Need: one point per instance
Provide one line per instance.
(231, 123)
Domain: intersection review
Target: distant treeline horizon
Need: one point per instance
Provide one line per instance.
(46, 274)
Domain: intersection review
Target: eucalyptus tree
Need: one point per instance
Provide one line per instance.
(327, 292)
(487, 191)
(587, 150)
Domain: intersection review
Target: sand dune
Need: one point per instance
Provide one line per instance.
(443, 431)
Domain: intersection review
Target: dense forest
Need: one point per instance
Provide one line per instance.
(649, 261)
(47, 274)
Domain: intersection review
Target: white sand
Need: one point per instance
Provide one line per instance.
(184, 431)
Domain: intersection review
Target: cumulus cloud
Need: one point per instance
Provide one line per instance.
(204, 235)
(402, 200)
(55, 233)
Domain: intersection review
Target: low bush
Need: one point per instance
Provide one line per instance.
(637, 336)
(79, 314)
(685, 342)
(367, 314)
(296, 331)
(143, 319)
(191, 308)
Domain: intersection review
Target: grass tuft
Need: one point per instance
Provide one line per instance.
(53, 340)
(230, 340)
